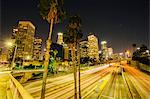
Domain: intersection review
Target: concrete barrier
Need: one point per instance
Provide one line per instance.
(16, 91)
(140, 66)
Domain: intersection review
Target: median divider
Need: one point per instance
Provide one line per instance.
(126, 83)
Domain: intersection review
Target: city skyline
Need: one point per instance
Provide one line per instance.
(125, 23)
(74, 49)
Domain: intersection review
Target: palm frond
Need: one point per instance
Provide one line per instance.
(73, 30)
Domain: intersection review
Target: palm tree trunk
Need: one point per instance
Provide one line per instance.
(78, 59)
(75, 70)
(46, 61)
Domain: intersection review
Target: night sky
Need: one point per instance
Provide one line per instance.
(120, 22)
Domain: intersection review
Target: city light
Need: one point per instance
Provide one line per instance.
(60, 33)
(9, 44)
(121, 54)
(74, 56)
(103, 42)
(99, 52)
(138, 48)
(28, 57)
(147, 51)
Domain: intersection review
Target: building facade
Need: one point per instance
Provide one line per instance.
(37, 48)
(84, 49)
(24, 39)
(60, 38)
(110, 52)
(104, 49)
(93, 47)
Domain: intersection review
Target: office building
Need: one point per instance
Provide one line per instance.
(110, 52)
(104, 49)
(84, 49)
(37, 48)
(93, 47)
(60, 38)
(24, 39)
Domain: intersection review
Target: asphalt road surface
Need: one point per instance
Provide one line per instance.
(114, 82)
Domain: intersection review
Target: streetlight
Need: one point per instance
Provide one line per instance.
(138, 48)
(11, 44)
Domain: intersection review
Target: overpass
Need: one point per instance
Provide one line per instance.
(25, 74)
(27, 71)
(10, 88)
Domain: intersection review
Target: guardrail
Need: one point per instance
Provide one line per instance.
(27, 71)
(16, 90)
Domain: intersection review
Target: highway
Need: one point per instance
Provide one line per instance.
(114, 82)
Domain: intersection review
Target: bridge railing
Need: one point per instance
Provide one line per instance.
(17, 91)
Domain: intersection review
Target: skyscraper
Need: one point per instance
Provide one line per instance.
(24, 37)
(37, 48)
(93, 47)
(60, 38)
(104, 49)
(110, 52)
(84, 51)
(84, 48)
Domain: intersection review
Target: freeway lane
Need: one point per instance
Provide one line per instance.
(141, 81)
(115, 82)
(116, 87)
(88, 82)
(62, 85)
(127, 83)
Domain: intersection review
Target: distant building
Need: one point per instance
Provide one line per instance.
(104, 49)
(60, 38)
(66, 51)
(110, 52)
(93, 47)
(84, 51)
(84, 48)
(37, 48)
(24, 38)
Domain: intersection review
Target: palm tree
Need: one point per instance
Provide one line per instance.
(72, 38)
(53, 12)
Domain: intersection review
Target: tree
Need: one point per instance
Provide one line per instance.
(72, 38)
(141, 55)
(134, 47)
(143, 48)
(52, 63)
(53, 12)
